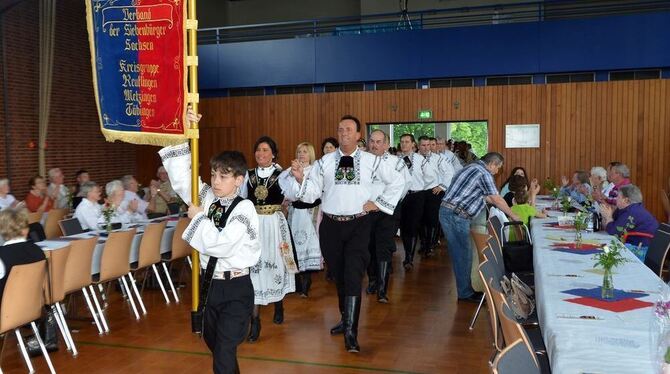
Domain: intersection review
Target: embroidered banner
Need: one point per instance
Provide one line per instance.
(139, 69)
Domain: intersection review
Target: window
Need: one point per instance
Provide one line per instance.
(634, 74)
(454, 82)
(253, 91)
(347, 87)
(511, 80)
(567, 78)
(288, 90)
(396, 85)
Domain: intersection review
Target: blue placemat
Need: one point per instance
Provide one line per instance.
(595, 293)
(577, 251)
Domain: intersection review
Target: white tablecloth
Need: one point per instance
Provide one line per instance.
(616, 342)
(166, 244)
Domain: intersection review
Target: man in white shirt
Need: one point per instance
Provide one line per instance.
(443, 148)
(89, 211)
(384, 226)
(57, 189)
(343, 180)
(435, 190)
(131, 187)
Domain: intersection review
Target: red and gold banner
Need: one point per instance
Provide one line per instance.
(138, 56)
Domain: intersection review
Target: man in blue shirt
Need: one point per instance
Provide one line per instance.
(464, 199)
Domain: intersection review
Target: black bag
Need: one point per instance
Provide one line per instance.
(517, 247)
(197, 317)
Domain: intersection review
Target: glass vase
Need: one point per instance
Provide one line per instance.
(578, 239)
(607, 291)
(108, 227)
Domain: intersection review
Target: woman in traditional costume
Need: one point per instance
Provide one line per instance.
(273, 275)
(302, 220)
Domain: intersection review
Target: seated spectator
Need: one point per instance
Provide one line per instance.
(524, 209)
(7, 200)
(329, 145)
(130, 194)
(630, 215)
(166, 194)
(579, 189)
(516, 183)
(57, 190)
(81, 178)
(16, 250)
(37, 199)
(599, 181)
(516, 171)
(89, 211)
(125, 212)
(619, 175)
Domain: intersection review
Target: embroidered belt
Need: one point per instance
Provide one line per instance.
(347, 218)
(228, 275)
(303, 205)
(458, 210)
(266, 210)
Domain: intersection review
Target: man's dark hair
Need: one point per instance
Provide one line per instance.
(410, 136)
(493, 157)
(332, 141)
(230, 162)
(271, 143)
(423, 137)
(352, 118)
(80, 172)
(432, 139)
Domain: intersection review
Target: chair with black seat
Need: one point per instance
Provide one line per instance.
(480, 243)
(486, 273)
(516, 358)
(70, 226)
(21, 304)
(494, 226)
(658, 250)
(54, 294)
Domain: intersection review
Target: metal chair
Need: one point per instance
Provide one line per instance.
(180, 249)
(149, 256)
(516, 358)
(481, 243)
(658, 250)
(22, 302)
(54, 293)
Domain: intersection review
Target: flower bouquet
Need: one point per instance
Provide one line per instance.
(660, 334)
(608, 259)
(581, 223)
(108, 211)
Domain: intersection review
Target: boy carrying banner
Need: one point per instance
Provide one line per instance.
(224, 229)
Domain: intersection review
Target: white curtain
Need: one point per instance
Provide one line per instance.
(47, 37)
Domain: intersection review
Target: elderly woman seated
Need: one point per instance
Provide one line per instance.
(89, 211)
(7, 200)
(599, 180)
(630, 215)
(579, 189)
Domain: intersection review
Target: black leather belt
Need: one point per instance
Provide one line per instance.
(460, 211)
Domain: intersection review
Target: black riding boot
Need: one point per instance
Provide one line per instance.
(339, 328)
(278, 318)
(383, 283)
(255, 329)
(428, 249)
(306, 283)
(372, 278)
(49, 333)
(408, 243)
(352, 310)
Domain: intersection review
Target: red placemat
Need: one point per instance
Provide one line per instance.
(613, 306)
(555, 225)
(572, 245)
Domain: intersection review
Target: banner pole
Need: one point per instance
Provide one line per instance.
(193, 90)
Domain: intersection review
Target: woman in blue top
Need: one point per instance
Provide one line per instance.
(630, 214)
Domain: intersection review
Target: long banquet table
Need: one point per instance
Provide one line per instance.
(587, 339)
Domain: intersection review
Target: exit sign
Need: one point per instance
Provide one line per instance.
(425, 114)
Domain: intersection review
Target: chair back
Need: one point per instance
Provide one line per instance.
(512, 330)
(150, 247)
(51, 227)
(497, 252)
(480, 243)
(516, 358)
(494, 226)
(35, 217)
(665, 201)
(70, 226)
(180, 247)
(485, 274)
(658, 250)
(22, 299)
(116, 255)
(78, 267)
(173, 208)
(54, 291)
